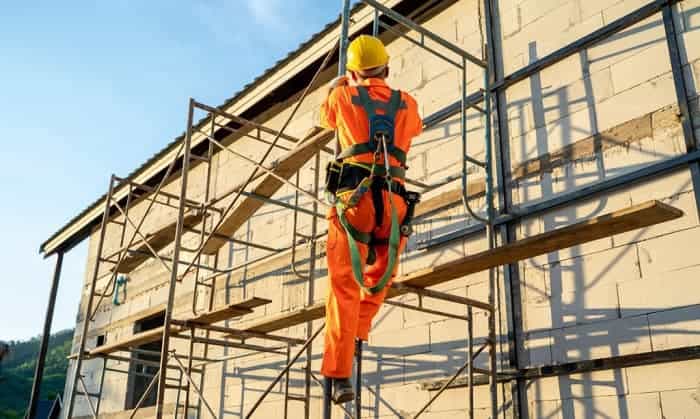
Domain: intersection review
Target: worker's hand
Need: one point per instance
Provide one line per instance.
(337, 82)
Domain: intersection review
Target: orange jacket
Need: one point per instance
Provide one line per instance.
(338, 112)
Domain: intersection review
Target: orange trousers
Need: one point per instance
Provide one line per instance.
(350, 310)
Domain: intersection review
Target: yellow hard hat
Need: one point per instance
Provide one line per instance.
(366, 52)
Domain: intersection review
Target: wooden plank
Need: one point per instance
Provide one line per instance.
(617, 222)
(230, 311)
(158, 240)
(286, 167)
(292, 318)
(137, 339)
(224, 313)
(628, 219)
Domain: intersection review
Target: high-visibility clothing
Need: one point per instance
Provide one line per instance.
(366, 52)
(349, 309)
(339, 113)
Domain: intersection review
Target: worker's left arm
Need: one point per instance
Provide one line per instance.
(328, 108)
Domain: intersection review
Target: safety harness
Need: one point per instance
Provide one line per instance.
(352, 180)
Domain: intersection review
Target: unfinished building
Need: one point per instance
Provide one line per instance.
(551, 272)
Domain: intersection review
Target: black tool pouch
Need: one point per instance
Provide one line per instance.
(333, 173)
(412, 199)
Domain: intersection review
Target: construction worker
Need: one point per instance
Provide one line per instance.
(368, 226)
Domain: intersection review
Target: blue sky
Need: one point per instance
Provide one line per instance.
(90, 88)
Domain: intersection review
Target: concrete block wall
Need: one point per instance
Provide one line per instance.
(596, 115)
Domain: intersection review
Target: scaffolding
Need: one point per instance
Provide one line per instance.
(215, 224)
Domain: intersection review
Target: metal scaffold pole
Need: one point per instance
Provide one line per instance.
(179, 230)
(342, 50)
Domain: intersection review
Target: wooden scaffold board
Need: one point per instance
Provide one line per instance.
(224, 313)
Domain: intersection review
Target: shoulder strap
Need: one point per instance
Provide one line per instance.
(370, 106)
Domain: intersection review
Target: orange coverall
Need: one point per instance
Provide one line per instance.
(350, 310)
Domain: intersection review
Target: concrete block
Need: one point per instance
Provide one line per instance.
(656, 294)
(668, 131)
(447, 334)
(620, 160)
(593, 384)
(411, 341)
(402, 401)
(689, 49)
(601, 340)
(379, 369)
(437, 364)
(577, 96)
(593, 7)
(668, 253)
(534, 189)
(661, 187)
(532, 10)
(581, 274)
(681, 375)
(634, 102)
(686, 15)
(630, 41)
(681, 404)
(563, 74)
(643, 406)
(538, 347)
(510, 20)
(457, 399)
(675, 328)
(388, 319)
(545, 409)
(539, 317)
(599, 303)
(564, 25)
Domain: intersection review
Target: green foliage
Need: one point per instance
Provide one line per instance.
(17, 372)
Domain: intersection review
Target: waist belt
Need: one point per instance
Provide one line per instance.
(352, 174)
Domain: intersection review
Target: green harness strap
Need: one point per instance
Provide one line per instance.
(354, 236)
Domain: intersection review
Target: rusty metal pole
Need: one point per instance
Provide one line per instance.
(43, 348)
(89, 303)
(179, 229)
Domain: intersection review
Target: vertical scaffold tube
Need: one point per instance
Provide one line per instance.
(492, 243)
(375, 24)
(343, 49)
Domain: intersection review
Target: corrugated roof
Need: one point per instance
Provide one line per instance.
(228, 102)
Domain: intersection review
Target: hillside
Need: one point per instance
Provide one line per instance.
(17, 372)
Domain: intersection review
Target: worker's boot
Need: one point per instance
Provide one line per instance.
(342, 390)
